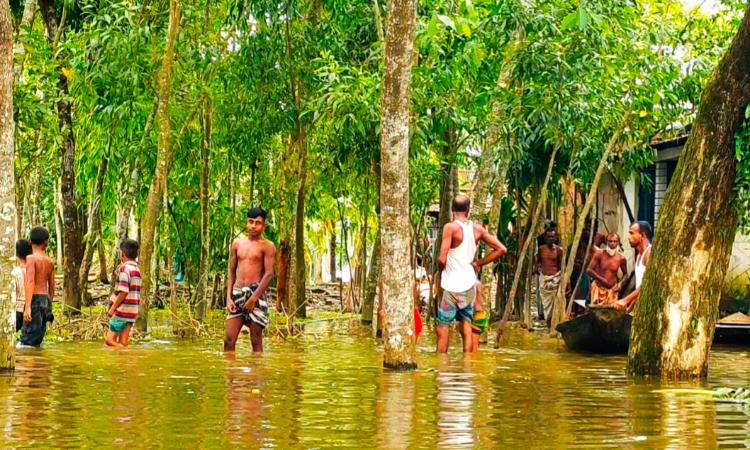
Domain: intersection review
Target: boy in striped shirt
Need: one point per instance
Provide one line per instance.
(124, 308)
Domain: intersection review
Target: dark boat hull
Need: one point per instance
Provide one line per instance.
(604, 330)
(607, 331)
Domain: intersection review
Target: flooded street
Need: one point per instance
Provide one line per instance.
(334, 394)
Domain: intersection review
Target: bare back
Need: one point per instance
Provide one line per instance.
(41, 271)
(251, 256)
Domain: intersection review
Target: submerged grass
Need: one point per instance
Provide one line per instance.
(91, 324)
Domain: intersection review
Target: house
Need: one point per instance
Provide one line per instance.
(645, 201)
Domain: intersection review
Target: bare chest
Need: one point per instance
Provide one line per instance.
(250, 253)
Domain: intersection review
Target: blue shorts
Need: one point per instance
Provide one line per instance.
(117, 325)
(457, 306)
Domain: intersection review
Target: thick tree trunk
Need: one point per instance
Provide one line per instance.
(103, 272)
(282, 276)
(203, 292)
(300, 266)
(123, 219)
(674, 320)
(94, 226)
(525, 249)
(164, 161)
(559, 310)
(71, 227)
(398, 330)
(7, 192)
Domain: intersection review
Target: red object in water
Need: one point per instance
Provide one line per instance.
(417, 322)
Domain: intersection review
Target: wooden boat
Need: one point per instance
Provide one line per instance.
(605, 330)
(602, 329)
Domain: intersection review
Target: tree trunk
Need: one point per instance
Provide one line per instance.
(202, 291)
(164, 160)
(559, 309)
(7, 192)
(27, 21)
(398, 330)
(71, 227)
(482, 183)
(368, 304)
(58, 225)
(332, 249)
(282, 276)
(674, 320)
(95, 219)
(300, 266)
(522, 254)
(499, 192)
(127, 209)
(103, 272)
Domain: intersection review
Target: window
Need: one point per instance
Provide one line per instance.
(646, 199)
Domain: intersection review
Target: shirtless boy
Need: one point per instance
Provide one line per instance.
(604, 269)
(251, 267)
(39, 290)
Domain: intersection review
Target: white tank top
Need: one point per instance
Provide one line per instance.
(640, 268)
(459, 275)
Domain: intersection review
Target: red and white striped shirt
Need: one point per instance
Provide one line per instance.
(129, 281)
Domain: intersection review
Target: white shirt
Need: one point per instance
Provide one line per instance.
(459, 275)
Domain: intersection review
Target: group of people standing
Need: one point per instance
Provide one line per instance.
(605, 267)
(33, 290)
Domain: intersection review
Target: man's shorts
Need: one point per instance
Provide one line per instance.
(457, 306)
(32, 333)
(259, 314)
(117, 325)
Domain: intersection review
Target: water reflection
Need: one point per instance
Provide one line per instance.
(334, 393)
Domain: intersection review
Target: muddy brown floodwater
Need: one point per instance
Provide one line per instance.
(333, 393)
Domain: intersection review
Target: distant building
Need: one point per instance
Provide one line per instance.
(645, 200)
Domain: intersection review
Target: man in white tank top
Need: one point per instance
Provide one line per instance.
(639, 238)
(459, 272)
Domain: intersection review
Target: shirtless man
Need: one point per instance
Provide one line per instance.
(459, 276)
(548, 266)
(39, 290)
(639, 238)
(604, 271)
(251, 267)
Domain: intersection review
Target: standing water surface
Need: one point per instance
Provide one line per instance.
(333, 393)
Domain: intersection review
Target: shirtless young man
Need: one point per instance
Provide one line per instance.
(639, 238)
(604, 269)
(459, 276)
(251, 267)
(548, 266)
(39, 290)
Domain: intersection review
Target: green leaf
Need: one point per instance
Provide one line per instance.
(432, 28)
(447, 21)
(583, 19)
(747, 112)
(470, 8)
(465, 29)
(656, 99)
(569, 20)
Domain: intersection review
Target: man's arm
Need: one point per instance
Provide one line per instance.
(624, 269)
(51, 282)
(498, 249)
(560, 253)
(269, 264)
(29, 286)
(232, 276)
(591, 271)
(445, 245)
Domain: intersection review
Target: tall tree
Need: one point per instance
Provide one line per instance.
(398, 332)
(165, 157)
(675, 317)
(7, 190)
(73, 252)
